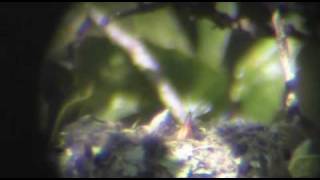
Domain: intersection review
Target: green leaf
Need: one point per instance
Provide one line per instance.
(304, 163)
(160, 28)
(211, 81)
(229, 8)
(259, 81)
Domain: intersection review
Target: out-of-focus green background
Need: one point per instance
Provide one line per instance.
(194, 61)
(210, 66)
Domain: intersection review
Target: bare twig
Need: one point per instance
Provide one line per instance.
(285, 58)
(144, 61)
(279, 27)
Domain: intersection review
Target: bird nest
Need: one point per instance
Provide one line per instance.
(90, 148)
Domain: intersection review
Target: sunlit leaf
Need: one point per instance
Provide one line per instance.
(304, 163)
(259, 80)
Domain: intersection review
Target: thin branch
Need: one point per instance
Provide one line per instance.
(278, 23)
(144, 61)
(279, 27)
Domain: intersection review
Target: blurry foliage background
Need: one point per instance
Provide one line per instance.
(207, 61)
